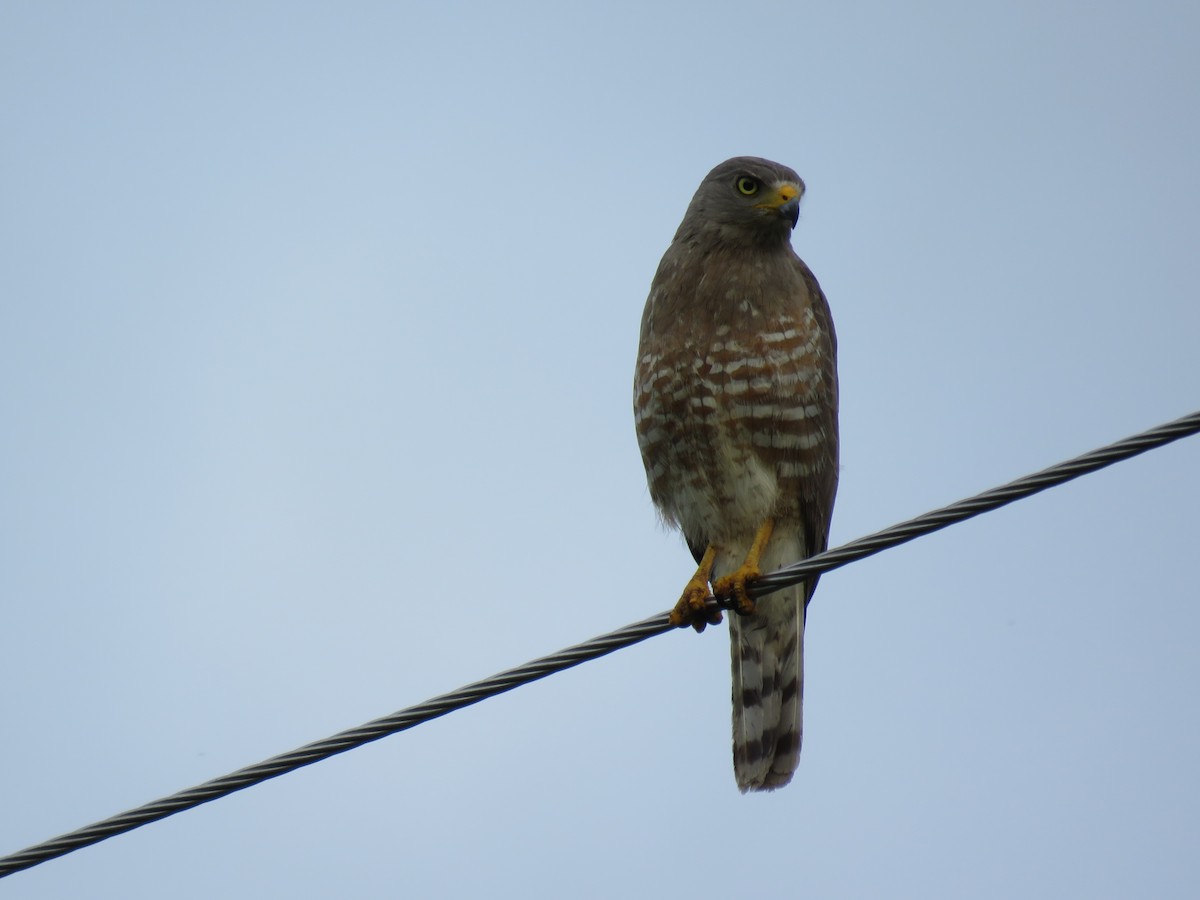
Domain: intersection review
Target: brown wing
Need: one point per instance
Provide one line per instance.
(818, 489)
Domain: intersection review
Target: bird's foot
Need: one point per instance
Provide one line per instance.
(732, 591)
(692, 608)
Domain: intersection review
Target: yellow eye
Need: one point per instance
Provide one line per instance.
(747, 186)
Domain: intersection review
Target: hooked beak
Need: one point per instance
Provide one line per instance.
(790, 210)
(785, 201)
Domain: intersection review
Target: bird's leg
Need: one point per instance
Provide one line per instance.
(731, 589)
(691, 608)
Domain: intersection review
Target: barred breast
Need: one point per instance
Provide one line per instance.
(731, 425)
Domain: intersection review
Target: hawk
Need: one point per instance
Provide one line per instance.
(735, 405)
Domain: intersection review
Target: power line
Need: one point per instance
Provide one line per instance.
(980, 503)
(593, 649)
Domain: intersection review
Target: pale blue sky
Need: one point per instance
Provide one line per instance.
(316, 343)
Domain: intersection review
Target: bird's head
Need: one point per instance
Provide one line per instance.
(746, 199)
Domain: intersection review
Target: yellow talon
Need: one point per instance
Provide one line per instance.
(692, 608)
(733, 588)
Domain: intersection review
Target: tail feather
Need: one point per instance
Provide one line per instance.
(767, 654)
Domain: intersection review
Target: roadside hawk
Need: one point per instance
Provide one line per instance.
(735, 404)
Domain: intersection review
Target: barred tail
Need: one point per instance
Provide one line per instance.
(768, 690)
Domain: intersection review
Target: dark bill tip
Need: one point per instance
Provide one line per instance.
(791, 210)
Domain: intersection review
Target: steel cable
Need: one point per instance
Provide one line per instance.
(593, 649)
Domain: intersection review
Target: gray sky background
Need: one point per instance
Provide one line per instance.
(317, 333)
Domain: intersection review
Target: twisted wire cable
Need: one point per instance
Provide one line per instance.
(972, 506)
(593, 649)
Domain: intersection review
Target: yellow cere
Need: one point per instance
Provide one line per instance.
(785, 193)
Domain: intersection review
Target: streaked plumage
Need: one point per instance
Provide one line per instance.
(735, 402)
